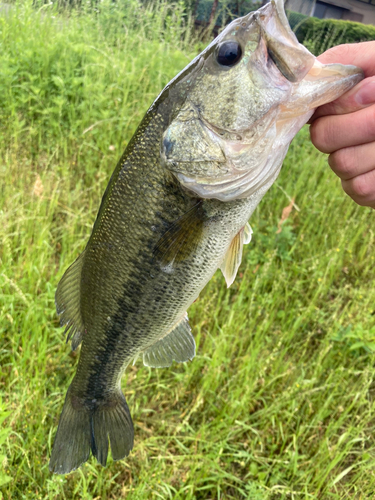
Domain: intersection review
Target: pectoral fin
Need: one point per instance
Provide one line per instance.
(181, 239)
(178, 345)
(233, 257)
(247, 234)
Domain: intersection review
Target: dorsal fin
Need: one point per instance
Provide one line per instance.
(233, 257)
(178, 345)
(68, 302)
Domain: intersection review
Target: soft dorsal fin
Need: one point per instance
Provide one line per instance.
(182, 237)
(233, 257)
(68, 302)
(178, 345)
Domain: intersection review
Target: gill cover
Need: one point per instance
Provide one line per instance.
(254, 87)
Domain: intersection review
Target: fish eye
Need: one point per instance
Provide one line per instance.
(229, 53)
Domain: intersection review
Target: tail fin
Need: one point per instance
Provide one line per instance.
(87, 427)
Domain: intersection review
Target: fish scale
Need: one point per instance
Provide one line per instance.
(175, 210)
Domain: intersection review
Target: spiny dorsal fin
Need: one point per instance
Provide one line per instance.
(178, 345)
(233, 257)
(182, 238)
(68, 302)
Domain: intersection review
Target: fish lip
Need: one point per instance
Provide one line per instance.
(279, 38)
(343, 74)
(334, 70)
(237, 136)
(269, 9)
(220, 132)
(332, 81)
(274, 8)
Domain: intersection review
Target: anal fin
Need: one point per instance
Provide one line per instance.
(68, 302)
(178, 345)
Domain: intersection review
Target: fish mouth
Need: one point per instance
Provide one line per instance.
(338, 75)
(317, 83)
(322, 84)
(293, 60)
(246, 156)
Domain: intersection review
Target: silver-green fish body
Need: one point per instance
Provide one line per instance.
(175, 210)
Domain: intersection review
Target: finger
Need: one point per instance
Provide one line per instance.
(359, 54)
(330, 133)
(351, 162)
(361, 96)
(361, 189)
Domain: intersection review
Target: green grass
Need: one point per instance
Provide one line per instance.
(278, 403)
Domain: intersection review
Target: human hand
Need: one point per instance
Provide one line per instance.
(345, 128)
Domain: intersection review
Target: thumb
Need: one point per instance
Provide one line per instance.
(360, 54)
(360, 96)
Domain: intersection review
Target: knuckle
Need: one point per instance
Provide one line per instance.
(342, 163)
(363, 202)
(361, 187)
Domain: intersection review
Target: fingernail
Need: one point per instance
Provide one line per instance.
(366, 94)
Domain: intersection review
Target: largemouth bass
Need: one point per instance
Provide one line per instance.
(175, 210)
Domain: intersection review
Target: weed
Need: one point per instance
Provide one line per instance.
(278, 403)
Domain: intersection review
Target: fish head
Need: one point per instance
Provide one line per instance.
(248, 93)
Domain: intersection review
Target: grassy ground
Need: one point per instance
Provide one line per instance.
(278, 403)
